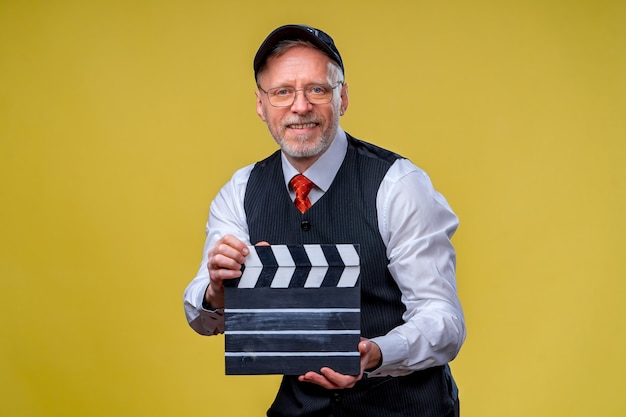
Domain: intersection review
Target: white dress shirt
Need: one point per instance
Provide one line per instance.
(415, 223)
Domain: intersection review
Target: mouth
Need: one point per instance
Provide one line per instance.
(302, 126)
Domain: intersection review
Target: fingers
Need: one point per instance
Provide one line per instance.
(228, 251)
(330, 379)
(339, 381)
(226, 258)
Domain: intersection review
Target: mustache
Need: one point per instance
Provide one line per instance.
(297, 120)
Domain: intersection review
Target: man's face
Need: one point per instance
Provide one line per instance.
(302, 130)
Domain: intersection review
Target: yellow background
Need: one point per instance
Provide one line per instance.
(120, 120)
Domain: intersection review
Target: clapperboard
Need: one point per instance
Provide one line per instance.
(296, 308)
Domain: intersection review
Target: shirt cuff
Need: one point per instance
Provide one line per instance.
(212, 318)
(394, 350)
(213, 321)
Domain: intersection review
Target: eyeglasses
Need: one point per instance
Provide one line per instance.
(314, 93)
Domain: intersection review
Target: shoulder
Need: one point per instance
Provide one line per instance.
(240, 177)
(404, 175)
(369, 150)
(272, 159)
(403, 168)
(235, 187)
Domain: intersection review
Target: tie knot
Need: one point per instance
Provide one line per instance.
(302, 186)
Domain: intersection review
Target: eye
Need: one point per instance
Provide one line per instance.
(281, 92)
(318, 89)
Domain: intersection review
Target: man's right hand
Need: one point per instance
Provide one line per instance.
(225, 260)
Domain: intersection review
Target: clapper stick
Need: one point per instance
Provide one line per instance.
(296, 308)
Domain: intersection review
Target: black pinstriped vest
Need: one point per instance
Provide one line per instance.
(346, 213)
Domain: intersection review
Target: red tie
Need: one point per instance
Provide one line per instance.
(302, 186)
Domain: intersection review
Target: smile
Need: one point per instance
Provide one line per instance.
(303, 126)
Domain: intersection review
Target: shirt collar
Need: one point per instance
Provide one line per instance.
(323, 171)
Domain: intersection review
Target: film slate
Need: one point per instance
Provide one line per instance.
(296, 308)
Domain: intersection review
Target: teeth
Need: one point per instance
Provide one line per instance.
(304, 126)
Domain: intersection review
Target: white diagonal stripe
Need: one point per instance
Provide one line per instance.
(319, 268)
(348, 254)
(286, 267)
(352, 270)
(316, 255)
(349, 277)
(252, 271)
(316, 277)
(253, 257)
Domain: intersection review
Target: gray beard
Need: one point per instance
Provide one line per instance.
(304, 151)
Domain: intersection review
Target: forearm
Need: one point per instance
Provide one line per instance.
(200, 316)
(434, 326)
(430, 339)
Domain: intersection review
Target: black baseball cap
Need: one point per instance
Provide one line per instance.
(296, 32)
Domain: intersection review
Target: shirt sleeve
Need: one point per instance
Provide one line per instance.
(416, 224)
(226, 216)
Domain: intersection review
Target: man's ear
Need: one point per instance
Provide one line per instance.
(344, 99)
(259, 105)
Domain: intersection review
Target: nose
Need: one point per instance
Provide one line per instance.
(300, 103)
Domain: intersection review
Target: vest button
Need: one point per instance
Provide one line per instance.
(305, 225)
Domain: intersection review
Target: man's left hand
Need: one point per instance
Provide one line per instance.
(329, 379)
